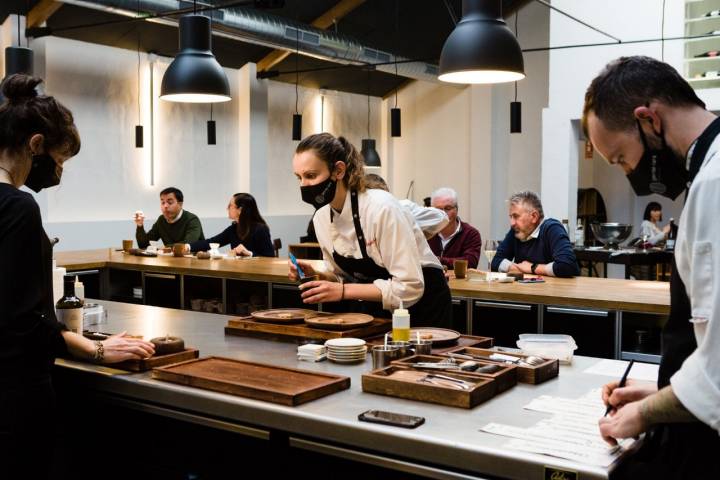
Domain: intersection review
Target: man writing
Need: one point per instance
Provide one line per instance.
(641, 115)
(175, 225)
(534, 244)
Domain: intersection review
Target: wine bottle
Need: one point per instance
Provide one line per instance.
(672, 236)
(708, 54)
(70, 308)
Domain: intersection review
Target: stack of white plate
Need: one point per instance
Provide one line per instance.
(346, 350)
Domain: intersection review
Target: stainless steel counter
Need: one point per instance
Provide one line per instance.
(448, 445)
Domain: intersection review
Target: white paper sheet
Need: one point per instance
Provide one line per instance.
(571, 432)
(615, 368)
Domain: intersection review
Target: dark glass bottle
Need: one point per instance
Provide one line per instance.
(70, 308)
(672, 236)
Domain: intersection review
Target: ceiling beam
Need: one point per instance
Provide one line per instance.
(323, 22)
(41, 12)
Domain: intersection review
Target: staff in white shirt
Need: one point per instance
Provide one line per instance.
(642, 115)
(374, 250)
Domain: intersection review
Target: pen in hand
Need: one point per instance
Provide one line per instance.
(301, 274)
(620, 385)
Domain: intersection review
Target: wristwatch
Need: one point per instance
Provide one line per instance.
(533, 267)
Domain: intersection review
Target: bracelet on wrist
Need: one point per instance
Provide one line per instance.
(99, 355)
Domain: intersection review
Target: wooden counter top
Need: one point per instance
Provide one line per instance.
(605, 293)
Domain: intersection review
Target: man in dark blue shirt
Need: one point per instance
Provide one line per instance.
(534, 244)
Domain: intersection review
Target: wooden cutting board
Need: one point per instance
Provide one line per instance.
(248, 327)
(271, 383)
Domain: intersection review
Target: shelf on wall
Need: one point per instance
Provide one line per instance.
(704, 82)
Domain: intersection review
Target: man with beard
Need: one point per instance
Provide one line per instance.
(534, 244)
(641, 115)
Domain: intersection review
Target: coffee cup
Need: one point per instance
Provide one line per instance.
(460, 268)
(127, 245)
(382, 355)
(309, 278)
(178, 250)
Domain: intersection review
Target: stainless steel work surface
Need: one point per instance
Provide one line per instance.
(449, 439)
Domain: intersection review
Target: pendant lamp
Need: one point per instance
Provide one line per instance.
(195, 76)
(370, 155)
(18, 59)
(481, 49)
(211, 129)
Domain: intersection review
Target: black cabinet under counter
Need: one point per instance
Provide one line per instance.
(593, 330)
(503, 321)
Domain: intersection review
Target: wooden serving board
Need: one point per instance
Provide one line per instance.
(505, 378)
(397, 381)
(271, 383)
(526, 374)
(247, 327)
(157, 361)
(463, 341)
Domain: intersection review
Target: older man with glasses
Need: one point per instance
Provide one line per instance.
(458, 240)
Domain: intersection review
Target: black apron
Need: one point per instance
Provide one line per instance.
(434, 309)
(678, 450)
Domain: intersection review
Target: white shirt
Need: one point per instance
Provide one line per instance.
(394, 241)
(445, 240)
(430, 220)
(697, 255)
(178, 217)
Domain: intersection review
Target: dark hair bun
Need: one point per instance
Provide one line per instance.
(18, 88)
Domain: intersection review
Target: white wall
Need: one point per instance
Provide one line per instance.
(571, 71)
(109, 179)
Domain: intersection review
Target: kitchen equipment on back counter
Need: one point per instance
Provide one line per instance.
(611, 234)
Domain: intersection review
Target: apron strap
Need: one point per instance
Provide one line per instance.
(701, 148)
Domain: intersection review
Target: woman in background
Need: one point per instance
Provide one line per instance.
(650, 227)
(248, 235)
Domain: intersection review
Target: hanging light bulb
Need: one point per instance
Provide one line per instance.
(481, 49)
(195, 76)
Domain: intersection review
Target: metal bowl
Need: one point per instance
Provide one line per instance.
(611, 234)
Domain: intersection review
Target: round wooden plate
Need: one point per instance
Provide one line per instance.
(283, 315)
(340, 321)
(438, 336)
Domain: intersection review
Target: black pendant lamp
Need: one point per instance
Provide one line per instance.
(370, 155)
(515, 106)
(195, 76)
(18, 59)
(395, 121)
(211, 131)
(297, 117)
(481, 49)
(139, 134)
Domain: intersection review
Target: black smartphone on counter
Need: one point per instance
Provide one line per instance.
(390, 418)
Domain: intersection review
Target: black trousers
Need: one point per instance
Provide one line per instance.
(27, 428)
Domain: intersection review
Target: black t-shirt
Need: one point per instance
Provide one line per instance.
(30, 335)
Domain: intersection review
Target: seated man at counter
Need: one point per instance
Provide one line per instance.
(534, 244)
(175, 225)
(458, 240)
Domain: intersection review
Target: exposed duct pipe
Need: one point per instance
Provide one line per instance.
(261, 28)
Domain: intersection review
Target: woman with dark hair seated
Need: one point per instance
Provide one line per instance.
(650, 228)
(248, 236)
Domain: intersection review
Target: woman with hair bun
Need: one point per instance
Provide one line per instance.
(374, 249)
(37, 136)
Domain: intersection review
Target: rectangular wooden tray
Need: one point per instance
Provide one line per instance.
(537, 374)
(463, 341)
(157, 361)
(504, 379)
(271, 383)
(397, 381)
(248, 327)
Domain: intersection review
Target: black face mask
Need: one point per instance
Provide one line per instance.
(44, 173)
(319, 195)
(658, 171)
